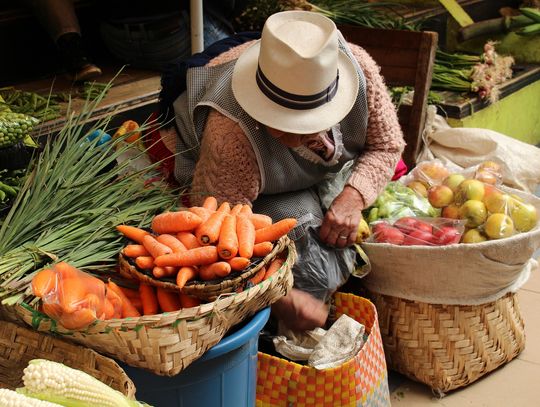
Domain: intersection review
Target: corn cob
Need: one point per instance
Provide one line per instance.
(9, 398)
(55, 382)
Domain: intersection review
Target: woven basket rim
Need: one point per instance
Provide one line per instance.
(214, 308)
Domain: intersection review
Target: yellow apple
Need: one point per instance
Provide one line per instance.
(498, 202)
(525, 216)
(470, 189)
(453, 181)
(418, 187)
(487, 177)
(440, 196)
(451, 212)
(431, 172)
(499, 226)
(474, 212)
(473, 236)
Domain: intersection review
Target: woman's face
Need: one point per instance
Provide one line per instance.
(288, 139)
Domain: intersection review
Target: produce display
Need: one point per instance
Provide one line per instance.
(14, 127)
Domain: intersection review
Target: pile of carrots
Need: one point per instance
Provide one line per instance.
(204, 243)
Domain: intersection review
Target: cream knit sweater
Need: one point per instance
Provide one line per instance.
(228, 169)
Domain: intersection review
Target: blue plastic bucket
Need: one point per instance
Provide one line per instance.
(225, 376)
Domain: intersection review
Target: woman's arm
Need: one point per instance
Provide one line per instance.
(227, 167)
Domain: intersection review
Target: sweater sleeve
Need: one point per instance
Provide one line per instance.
(227, 167)
(384, 138)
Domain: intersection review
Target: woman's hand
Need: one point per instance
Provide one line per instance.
(341, 221)
(301, 311)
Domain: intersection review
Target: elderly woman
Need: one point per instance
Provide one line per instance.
(268, 122)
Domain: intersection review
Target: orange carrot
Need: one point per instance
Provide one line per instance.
(94, 302)
(275, 231)
(188, 240)
(246, 236)
(258, 277)
(66, 270)
(172, 242)
(44, 282)
(236, 209)
(208, 232)
(78, 319)
(215, 270)
(135, 250)
(154, 247)
(238, 263)
(210, 203)
(137, 303)
(228, 241)
(184, 275)
(132, 233)
(246, 210)
(128, 310)
(169, 301)
(273, 267)
(145, 262)
(130, 292)
(260, 221)
(160, 272)
(262, 249)
(174, 222)
(116, 303)
(187, 301)
(148, 299)
(201, 212)
(71, 294)
(194, 257)
(108, 310)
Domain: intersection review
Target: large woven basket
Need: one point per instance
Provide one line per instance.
(167, 343)
(19, 345)
(449, 346)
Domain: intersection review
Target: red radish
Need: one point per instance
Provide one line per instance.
(447, 235)
(390, 235)
(424, 226)
(406, 224)
(419, 238)
(379, 226)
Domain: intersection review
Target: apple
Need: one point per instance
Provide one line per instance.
(473, 236)
(390, 235)
(453, 181)
(525, 216)
(446, 235)
(498, 202)
(431, 172)
(440, 196)
(418, 237)
(488, 190)
(450, 212)
(470, 189)
(418, 187)
(406, 224)
(474, 212)
(499, 226)
(487, 177)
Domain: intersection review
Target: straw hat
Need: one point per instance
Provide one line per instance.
(295, 78)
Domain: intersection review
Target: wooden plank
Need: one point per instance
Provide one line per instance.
(404, 58)
(378, 38)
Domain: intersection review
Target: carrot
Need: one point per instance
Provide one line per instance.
(172, 242)
(188, 240)
(184, 275)
(201, 212)
(145, 262)
(53, 309)
(210, 203)
(194, 257)
(168, 301)
(148, 299)
(259, 276)
(208, 232)
(262, 249)
(246, 210)
(273, 267)
(228, 241)
(108, 309)
(260, 221)
(128, 310)
(215, 270)
(135, 250)
(187, 301)
(78, 319)
(71, 294)
(66, 270)
(238, 263)
(137, 303)
(236, 209)
(275, 231)
(160, 272)
(154, 247)
(130, 292)
(116, 303)
(246, 236)
(44, 282)
(174, 222)
(132, 233)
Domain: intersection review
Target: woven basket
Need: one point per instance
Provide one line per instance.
(361, 381)
(208, 290)
(19, 345)
(449, 346)
(167, 343)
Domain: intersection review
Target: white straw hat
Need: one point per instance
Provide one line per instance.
(296, 79)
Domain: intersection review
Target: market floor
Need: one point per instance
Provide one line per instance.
(514, 384)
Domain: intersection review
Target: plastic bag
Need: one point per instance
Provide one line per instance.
(410, 231)
(73, 298)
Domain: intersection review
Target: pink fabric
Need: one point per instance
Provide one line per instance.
(400, 171)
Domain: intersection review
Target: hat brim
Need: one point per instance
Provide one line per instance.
(265, 111)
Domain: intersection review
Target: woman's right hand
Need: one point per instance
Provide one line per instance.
(301, 311)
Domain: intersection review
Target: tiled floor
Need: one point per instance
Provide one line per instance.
(516, 384)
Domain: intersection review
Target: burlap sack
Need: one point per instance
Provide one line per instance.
(463, 274)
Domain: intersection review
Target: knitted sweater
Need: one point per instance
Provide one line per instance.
(228, 169)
